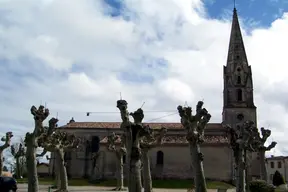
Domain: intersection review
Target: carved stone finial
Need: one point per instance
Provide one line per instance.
(72, 120)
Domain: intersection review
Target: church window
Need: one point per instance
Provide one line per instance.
(160, 158)
(238, 79)
(239, 95)
(236, 46)
(237, 57)
(95, 144)
(240, 117)
(238, 69)
(279, 165)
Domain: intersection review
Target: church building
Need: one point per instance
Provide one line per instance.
(172, 158)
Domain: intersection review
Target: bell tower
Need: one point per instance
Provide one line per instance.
(238, 104)
(238, 85)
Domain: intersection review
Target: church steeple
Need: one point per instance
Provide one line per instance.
(238, 105)
(236, 52)
(238, 85)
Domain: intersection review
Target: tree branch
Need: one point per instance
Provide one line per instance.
(111, 141)
(7, 140)
(40, 115)
(265, 134)
(153, 139)
(271, 146)
(194, 124)
(19, 152)
(122, 106)
(138, 116)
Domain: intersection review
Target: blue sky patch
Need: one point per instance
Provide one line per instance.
(262, 12)
(114, 8)
(255, 12)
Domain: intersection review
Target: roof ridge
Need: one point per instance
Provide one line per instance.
(111, 125)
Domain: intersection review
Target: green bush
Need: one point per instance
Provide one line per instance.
(278, 179)
(260, 186)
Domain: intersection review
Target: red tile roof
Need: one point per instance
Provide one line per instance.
(115, 125)
(277, 157)
(180, 140)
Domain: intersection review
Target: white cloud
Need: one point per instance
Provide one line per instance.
(75, 57)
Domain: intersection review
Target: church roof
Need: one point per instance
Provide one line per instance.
(115, 125)
(181, 139)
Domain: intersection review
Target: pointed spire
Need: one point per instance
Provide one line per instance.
(236, 53)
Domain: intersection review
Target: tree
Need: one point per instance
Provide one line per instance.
(31, 142)
(242, 138)
(261, 148)
(120, 151)
(195, 125)
(54, 171)
(133, 133)
(18, 152)
(278, 179)
(7, 140)
(95, 157)
(146, 143)
(59, 142)
(48, 131)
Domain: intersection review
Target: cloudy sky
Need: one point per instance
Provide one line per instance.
(78, 55)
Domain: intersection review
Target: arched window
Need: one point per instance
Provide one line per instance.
(238, 79)
(95, 144)
(239, 95)
(160, 158)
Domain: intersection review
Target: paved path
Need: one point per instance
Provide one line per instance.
(44, 188)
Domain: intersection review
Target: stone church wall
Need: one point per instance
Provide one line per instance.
(176, 163)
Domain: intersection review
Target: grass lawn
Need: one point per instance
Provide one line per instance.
(169, 184)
